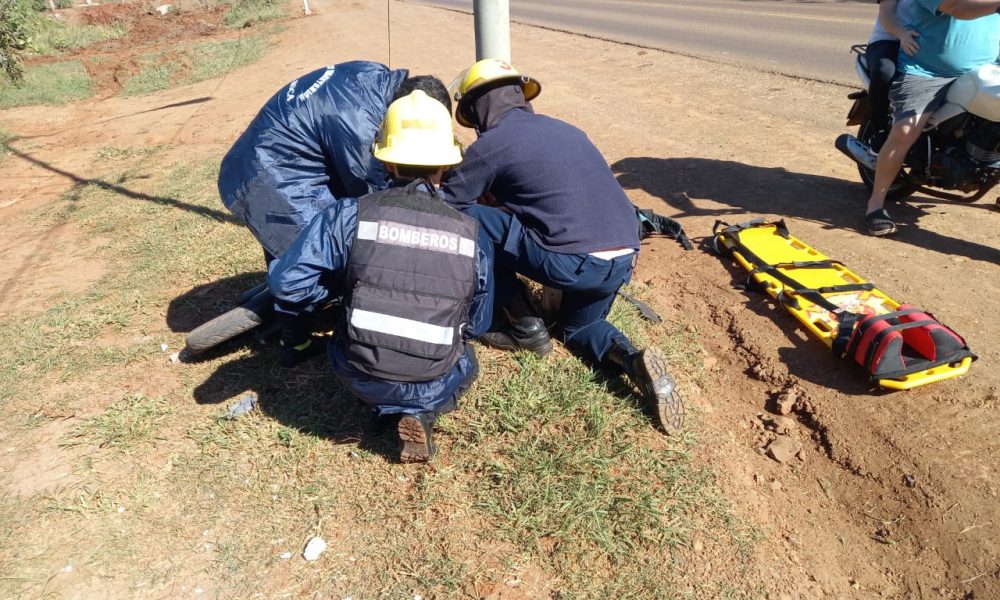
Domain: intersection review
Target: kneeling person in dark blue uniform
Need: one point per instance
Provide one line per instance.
(565, 223)
(414, 276)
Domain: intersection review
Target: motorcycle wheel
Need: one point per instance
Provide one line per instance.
(898, 190)
(254, 313)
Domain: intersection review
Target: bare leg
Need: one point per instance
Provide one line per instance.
(891, 157)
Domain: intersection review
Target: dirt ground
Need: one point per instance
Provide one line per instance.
(894, 494)
(110, 64)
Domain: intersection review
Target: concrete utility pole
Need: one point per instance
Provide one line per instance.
(492, 29)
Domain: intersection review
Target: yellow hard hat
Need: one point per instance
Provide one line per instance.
(488, 70)
(417, 131)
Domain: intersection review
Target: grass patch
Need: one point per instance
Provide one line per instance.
(245, 13)
(213, 59)
(545, 472)
(160, 71)
(152, 77)
(118, 153)
(49, 36)
(128, 422)
(54, 83)
(5, 139)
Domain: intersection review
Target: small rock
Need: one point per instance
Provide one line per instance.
(314, 548)
(698, 546)
(783, 448)
(163, 9)
(710, 362)
(285, 555)
(910, 480)
(785, 402)
(782, 424)
(164, 347)
(776, 485)
(175, 358)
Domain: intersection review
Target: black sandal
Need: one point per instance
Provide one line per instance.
(879, 223)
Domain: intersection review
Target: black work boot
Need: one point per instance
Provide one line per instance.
(415, 433)
(647, 369)
(523, 330)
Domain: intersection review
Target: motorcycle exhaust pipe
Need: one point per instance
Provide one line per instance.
(856, 151)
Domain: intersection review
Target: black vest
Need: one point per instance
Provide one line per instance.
(411, 277)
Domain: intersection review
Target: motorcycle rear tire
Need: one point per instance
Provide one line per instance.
(898, 190)
(227, 326)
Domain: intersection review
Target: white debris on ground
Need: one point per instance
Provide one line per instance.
(314, 548)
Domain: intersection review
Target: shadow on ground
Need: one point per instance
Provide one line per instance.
(207, 301)
(121, 190)
(307, 398)
(751, 190)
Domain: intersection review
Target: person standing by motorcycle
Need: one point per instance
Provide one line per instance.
(956, 36)
(889, 36)
(415, 275)
(310, 144)
(563, 221)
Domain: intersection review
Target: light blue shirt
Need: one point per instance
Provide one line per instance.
(949, 46)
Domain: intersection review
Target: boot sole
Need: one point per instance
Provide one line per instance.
(416, 446)
(667, 402)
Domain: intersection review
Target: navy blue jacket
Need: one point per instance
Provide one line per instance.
(307, 147)
(314, 270)
(553, 178)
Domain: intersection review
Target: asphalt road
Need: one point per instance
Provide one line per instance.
(803, 39)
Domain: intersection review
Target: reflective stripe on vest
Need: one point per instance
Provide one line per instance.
(401, 234)
(408, 328)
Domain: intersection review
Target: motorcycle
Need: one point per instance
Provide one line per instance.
(956, 158)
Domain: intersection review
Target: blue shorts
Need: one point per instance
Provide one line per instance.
(915, 95)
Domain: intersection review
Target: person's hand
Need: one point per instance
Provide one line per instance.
(908, 42)
(292, 356)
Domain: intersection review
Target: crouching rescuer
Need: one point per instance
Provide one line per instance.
(414, 277)
(563, 221)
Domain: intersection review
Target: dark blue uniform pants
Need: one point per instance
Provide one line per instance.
(589, 284)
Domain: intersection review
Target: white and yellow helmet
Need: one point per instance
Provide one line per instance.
(417, 131)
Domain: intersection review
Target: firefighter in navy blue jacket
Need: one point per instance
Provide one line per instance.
(564, 222)
(310, 145)
(415, 278)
